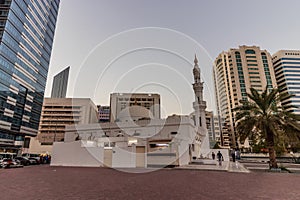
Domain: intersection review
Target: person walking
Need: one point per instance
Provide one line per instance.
(233, 155)
(213, 155)
(220, 158)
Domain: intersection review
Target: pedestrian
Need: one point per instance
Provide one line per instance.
(213, 155)
(233, 155)
(220, 158)
(41, 159)
(46, 159)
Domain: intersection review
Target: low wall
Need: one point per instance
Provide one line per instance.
(123, 157)
(36, 147)
(75, 155)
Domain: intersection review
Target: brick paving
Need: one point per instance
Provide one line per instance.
(45, 182)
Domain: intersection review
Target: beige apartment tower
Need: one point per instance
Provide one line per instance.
(235, 72)
(59, 112)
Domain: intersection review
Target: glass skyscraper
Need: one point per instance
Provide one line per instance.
(287, 71)
(27, 30)
(60, 84)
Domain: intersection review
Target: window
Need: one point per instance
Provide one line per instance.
(255, 77)
(250, 51)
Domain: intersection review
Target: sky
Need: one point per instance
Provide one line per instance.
(119, 46)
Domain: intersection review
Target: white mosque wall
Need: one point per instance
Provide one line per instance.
(76, 155)
(123, 157)
(184, 153)
(162, 157)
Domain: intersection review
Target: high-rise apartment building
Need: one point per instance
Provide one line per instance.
(221, 132)
(60, 112)
(60, 84)
(235, 72)
(120, 101)
(103, 113)
(209, 115)
(217, 132)
(286, 65)
(27, 30)
(57, 113)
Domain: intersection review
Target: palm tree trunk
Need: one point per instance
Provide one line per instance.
(272, 153)
(272, 157)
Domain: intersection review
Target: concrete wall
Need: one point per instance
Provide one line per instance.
(36, 147)
(73, 154)
(184, 154)
(163, 157)
(124, 157)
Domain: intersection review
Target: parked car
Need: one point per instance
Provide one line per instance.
(34, 161)
(32, 155)
(7, 155)
(23, 161)
(9, 163)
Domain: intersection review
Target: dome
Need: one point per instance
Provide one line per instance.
(134, 113)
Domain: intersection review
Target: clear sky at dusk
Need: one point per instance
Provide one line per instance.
(112, 46)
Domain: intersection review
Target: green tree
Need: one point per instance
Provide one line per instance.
(263, 118)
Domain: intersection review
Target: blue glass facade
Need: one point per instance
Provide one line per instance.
(27, 30)
(287, 67)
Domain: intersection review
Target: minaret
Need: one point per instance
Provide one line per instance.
(199, 105)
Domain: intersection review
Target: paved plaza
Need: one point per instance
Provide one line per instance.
(45, 182)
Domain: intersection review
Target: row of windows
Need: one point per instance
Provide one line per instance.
(286, 63)
(293, 83)
(294, 88)
(286, 67)
(255, 81)
(255, 77)
(286, 71)
(6, 136)
(267, 71)
(136, 99)
(289, 75)
(288, 79)
(253, 72)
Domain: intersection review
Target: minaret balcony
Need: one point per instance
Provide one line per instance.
(201, 104)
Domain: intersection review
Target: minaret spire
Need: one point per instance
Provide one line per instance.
(196, 60)
(196, 71)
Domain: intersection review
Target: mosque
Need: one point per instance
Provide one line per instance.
(138, 139)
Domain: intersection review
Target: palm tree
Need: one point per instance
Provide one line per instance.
(264, 119)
